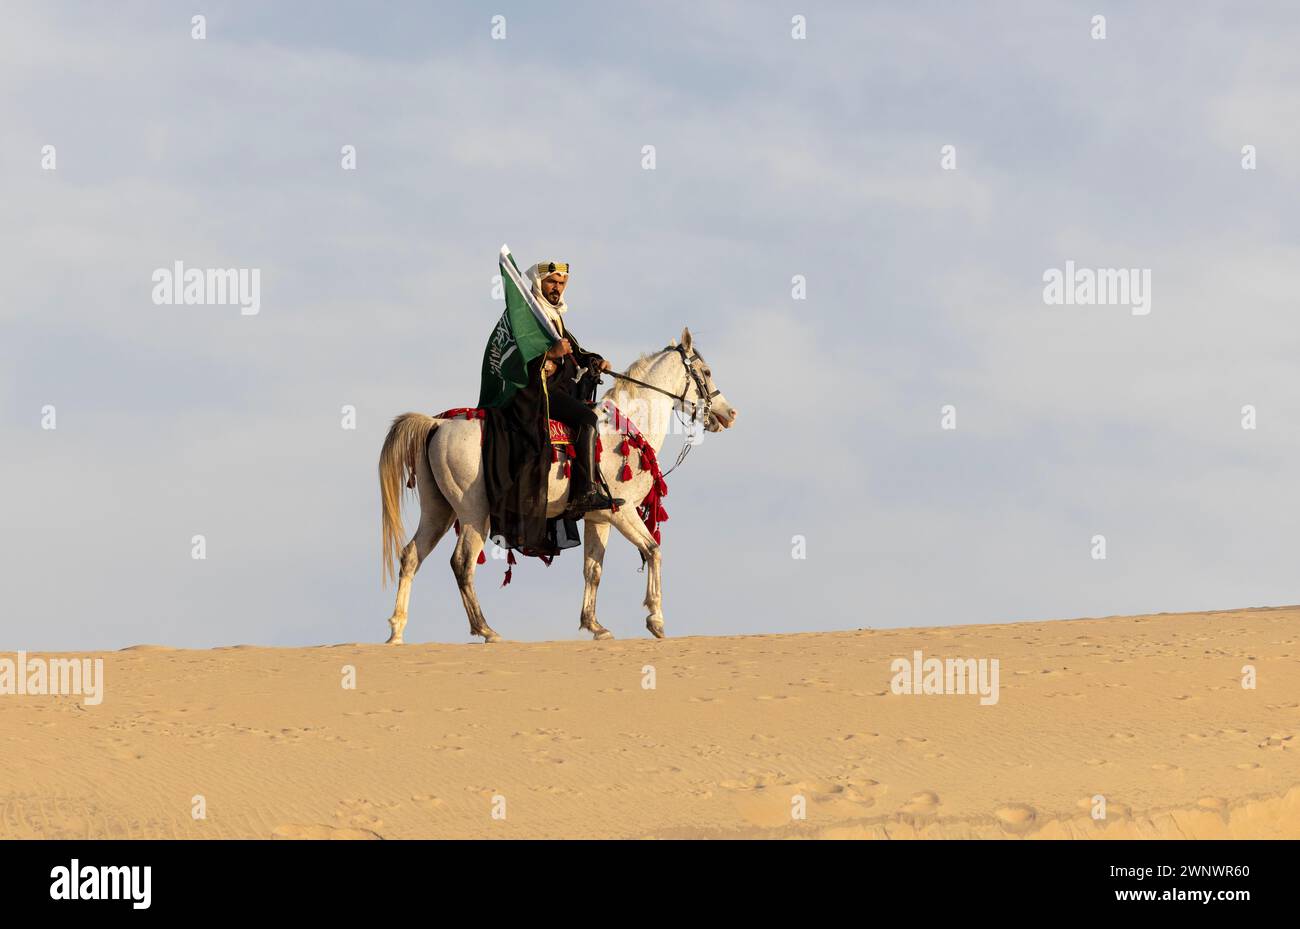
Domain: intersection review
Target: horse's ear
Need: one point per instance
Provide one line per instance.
(686, 339)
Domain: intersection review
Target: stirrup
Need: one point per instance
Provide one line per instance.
(594, 500)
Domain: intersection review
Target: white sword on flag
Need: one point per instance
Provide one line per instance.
(509, 266)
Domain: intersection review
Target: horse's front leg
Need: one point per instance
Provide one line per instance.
(595, 535)
(629, 524)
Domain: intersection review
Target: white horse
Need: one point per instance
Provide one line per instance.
(446, 458)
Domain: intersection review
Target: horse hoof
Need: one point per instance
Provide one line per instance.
(394, 639)
(602, 635)
(656, 628)
(489, 636)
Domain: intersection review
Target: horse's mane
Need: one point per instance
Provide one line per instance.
(642, 364)
(638, 368)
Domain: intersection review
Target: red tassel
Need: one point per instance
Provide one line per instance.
(567, 468)
(656, 534)
(482, 556)
(457, 525)
(625, 474)
(622, 448)
(506, 579)
(555, 453)
(600, 449)
(661, 515)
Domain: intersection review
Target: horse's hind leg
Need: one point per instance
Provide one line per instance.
(463, 562)
(436, 516)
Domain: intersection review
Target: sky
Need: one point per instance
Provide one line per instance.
(775, 157)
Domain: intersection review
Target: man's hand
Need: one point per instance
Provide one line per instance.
(603, 365)
(559, 349)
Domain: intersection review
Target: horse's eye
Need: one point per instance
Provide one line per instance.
(708, 373)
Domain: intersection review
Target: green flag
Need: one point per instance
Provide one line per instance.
(522, 333)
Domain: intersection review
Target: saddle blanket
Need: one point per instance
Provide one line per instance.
(561, 434)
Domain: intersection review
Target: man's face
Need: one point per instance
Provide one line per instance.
(553, 287)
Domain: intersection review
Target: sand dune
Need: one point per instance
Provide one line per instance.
(563, 739)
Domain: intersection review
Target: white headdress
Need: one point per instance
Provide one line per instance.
(539, 272)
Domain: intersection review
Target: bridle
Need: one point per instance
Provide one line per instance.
(693, 377)
(703, 403)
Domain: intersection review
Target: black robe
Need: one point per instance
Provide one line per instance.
(517, 457)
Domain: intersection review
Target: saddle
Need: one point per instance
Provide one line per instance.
(561, 435)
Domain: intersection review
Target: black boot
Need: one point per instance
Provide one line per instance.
(584, 495)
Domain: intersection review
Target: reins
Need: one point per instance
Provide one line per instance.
(692, 378)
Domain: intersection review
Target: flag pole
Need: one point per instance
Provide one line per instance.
(510, 268)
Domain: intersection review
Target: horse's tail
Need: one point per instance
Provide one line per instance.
(398, 463)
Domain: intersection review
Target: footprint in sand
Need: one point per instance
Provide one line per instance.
(1279, 741)
(924, 803)
(1124, 736)
(1017, 818)
(320, 831)
(766, 800)
(428, 802)
(544, 756)
(361, 814)
(751, 781)
(1165, 766)
(1249, 766)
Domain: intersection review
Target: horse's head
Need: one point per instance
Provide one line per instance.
(722, 415)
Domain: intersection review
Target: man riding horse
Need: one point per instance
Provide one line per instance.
(516, 436)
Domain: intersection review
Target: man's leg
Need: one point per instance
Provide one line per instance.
(584, 494)
(577, 417)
